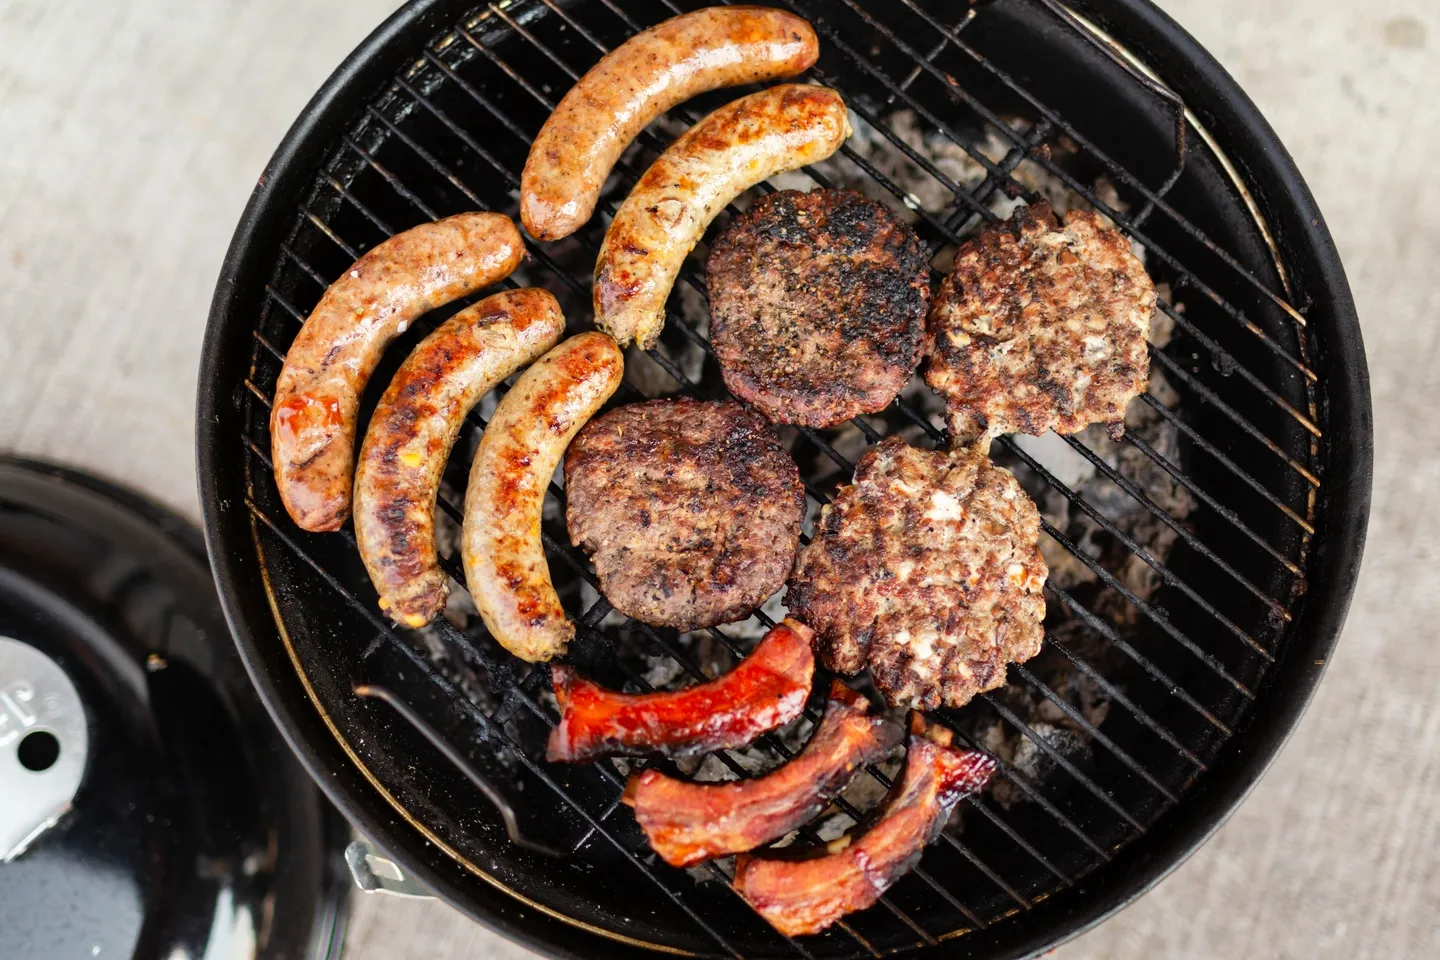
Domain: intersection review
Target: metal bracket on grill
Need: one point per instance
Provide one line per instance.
(1092, 35)
(376, 873)
(461, 763)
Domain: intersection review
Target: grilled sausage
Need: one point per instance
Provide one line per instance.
(635, 83)
(397, 477)
(658, 225)
(317, 398)
(505, 564)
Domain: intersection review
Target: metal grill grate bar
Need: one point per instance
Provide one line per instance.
(1156, 511)
(1165, 573)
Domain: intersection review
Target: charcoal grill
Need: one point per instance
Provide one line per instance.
(1202, 631)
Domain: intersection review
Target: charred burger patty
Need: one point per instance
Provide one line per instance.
(817, 305)
(925, 569)
(1041, 327)
(690, 510)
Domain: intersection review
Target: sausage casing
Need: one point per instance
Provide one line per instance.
(635, 83)
(397, 477)
(505, 565)
(730, 150)
(317, 398)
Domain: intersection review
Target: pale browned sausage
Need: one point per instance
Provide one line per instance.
(317, 398)
(397, 477)
(635, 83)
(658, 225)
(505, 564)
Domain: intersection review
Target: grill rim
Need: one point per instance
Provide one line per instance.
(1300, 231)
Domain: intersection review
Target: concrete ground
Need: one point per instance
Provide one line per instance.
(131, 134)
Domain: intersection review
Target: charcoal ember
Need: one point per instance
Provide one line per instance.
(1029, 759)
(1083, 697)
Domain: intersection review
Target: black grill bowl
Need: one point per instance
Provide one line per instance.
(1205, 633)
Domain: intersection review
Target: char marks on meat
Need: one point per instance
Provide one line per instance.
(807, 895)
(687, 823)
(1041, 327)
(925, 569)
(766, 690)
(817, 305)
(690, 510)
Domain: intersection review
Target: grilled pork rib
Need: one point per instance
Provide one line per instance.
(690, 822)
(766, 690)
(807, 895)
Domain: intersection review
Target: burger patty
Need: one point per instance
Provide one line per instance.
(1041, 327)
(817, 305)
(926, 569)
(690, 510)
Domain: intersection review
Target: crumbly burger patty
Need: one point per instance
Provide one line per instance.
(1041, 327)
(817, 305)
(925, 569)
(690, 510)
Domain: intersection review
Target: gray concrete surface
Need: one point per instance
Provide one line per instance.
(131, 134)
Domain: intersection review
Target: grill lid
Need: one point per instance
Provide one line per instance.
(147, 807)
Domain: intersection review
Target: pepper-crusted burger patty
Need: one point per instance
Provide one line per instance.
(925, 569)
(1041, 327)
(690, 510)
(817, 305)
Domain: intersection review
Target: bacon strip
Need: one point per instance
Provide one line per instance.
(689, 822)
(806, 896)
(766, 690)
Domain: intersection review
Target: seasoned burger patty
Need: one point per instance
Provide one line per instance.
(817, 305)
(1041, 327)
(690, 510)
(926, 570)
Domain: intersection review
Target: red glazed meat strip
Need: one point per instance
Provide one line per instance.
(689, 822)
(766, 690)
(808, 895)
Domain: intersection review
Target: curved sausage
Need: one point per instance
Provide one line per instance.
(635, 83)
(806, 896)
(397, 477)
(317, 398)
(767, 689)
(505, 565)
(658, 225)
(689, 822)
